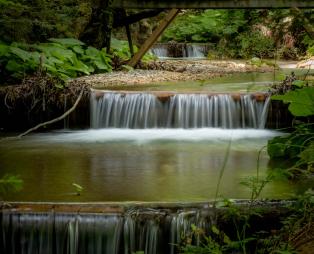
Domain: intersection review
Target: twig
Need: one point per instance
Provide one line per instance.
(53, 120)
(56, 119)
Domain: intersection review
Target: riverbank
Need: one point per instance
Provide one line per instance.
(171, 70)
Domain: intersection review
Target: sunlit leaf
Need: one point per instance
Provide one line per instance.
(301, 101)
(299, 83)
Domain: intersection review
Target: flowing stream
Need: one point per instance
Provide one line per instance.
(141, 147)
(141, 110)
(148, 230)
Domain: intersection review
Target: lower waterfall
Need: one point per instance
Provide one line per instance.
(143, 110)
(148, 230)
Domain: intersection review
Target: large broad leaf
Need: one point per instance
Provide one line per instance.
(23, 54)
(301, 101)
(92, 52)
(79, 66)
(64, 55)
(57, 51)
(102, 65)
(118, 44)
(78, 50)
(51, 60)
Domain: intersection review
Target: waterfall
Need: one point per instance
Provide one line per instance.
(160, 52)
(178, 50)
(142, 110)
(148, 230)
(59, 233)
(194, 51)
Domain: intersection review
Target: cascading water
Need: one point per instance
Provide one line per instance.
(160, 52)
(194, 51)
(178, 50)
(151, 231)
(140, 110)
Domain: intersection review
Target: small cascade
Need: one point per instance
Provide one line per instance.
(149, 230)
(194, 51)
(141, 110)
(160, 52)
(178, 50)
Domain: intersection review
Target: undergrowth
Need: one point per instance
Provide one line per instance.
(63, 58)
(296, 227)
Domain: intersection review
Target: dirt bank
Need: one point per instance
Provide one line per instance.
(171, 70)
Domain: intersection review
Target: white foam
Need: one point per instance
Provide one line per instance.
(147, 135)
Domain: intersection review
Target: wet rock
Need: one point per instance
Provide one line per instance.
(99, 94)
(164, 97)
(259, 97)
(236, 97)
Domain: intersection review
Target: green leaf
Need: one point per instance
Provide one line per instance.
(78, 66)
(277, 146)
(60, 53)
(301, 101)
(127, 67)
(24, 55)
(299, 83)
(92, 52)
(51, 60)
(215, 230)
(78, 50)
(102, 66)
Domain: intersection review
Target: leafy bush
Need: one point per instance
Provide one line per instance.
(230, 30)
(121, 53)
(310, 51)
(243, 33)
(309, 43)
(254, 44)
(207, 26)
(121, 49)
(297, 148)
(34, 21)
(64, 58)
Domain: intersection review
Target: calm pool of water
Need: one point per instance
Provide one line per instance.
(137, 165)
(238, 82)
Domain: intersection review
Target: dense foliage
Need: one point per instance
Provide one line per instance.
(296, 148)
(37, 20)
(243, 33)
(294, 232)
(63, 58)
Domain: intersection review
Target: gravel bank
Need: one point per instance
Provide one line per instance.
(170, 70)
